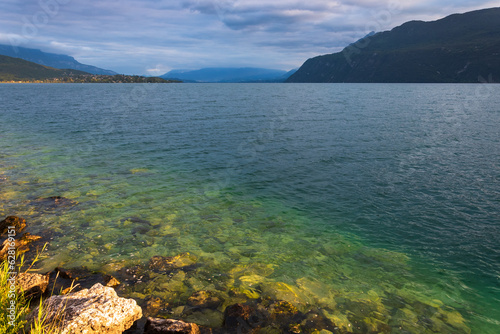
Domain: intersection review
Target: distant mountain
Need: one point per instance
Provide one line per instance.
(16, 69)
(50, 59)
(225, 74)
(457, 48)
(20, 70)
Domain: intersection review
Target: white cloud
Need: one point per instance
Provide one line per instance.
(147, 36)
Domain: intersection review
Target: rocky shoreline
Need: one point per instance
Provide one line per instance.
(166, 293)
(79, 300)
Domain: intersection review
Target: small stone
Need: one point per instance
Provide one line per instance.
(111, 281)
(18, 223)
(169, 326)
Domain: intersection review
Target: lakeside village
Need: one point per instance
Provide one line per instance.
(95, 78)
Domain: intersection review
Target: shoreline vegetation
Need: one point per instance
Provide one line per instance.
(94, 78)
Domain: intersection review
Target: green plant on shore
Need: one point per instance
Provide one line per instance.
(10, 296)
(13, 306)
(42, 324)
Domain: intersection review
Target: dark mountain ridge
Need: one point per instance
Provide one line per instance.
(16, 69)
(458, 48)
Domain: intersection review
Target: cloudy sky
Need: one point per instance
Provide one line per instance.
(154, 36)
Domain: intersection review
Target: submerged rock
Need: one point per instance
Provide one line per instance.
(242, 318)
(169, 326)
(90, 311)
(169, 263)
(203, 299)
(136, 220)
(55, 202)
(315, 321)
(283, 311)
(18, 223)
(154, 305)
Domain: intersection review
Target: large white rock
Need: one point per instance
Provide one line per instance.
(89, 311)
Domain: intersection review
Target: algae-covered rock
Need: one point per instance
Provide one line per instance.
(203, 299)
(154, 305)
(317, 291)
(241, 318)
(282, 310)
(54, 202)
(205, 317)
(169, 263)
(259, 269)
(248, 286)
(315, 321)
(340, 320)
(285, 292)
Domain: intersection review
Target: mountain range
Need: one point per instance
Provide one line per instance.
(459, 48)
(16, 69)
(20, 70)
(51, 59)
(229, 74)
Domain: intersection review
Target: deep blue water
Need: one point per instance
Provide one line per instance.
(412, 169)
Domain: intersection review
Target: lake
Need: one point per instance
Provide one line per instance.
(376, 206)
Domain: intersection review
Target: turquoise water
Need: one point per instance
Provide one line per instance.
(378, 204)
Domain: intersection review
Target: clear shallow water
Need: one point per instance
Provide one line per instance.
(379, 204)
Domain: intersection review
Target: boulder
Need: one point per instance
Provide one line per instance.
(33, 285)
(18, 223)
(169, 326)
(90, 311)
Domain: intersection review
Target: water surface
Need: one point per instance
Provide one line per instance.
(376, 204)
